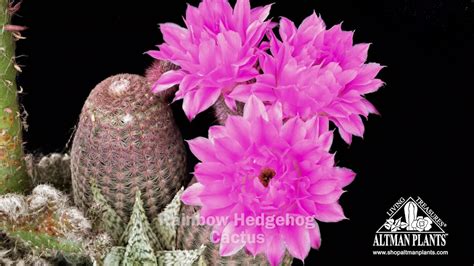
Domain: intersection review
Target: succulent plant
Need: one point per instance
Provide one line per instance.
(44, 225)
(127, 139)
(9, 259)
(142, 242)
(13, 177)
(53, 169)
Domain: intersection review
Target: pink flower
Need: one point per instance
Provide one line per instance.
(312, 71)
(215, 52)
(259, 166)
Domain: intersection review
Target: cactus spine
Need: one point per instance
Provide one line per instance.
(13, 177)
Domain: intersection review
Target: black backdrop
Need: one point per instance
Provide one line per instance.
(420, 146)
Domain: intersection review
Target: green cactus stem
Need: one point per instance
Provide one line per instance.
(13, 176)
(44, 243)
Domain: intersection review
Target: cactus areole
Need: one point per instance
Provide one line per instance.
(13, 176)
(127, 139)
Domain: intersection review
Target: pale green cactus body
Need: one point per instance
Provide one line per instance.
(45, 244)
(180, 257)
(115, 256)
(140, 239)
(108, 220)
(165, 224)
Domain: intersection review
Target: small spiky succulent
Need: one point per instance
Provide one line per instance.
(127, 139)
(43, 225)
(142, 242)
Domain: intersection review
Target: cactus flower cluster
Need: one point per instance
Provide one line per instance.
(271, 158)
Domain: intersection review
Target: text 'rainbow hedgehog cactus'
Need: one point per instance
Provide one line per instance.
(127, 138)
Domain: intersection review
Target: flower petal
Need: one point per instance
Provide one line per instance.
(297, 240)
(275, 249)
(241, 92)
(293, 130)
(255, 246)
(203, 149)
(238, 129)
(191, 195)
(287, 29)
(323, 186)
(210, 172)
(254, 108)
(230, 244)
(346, 176)
(328, 198)
(329, 212)
(230, 150)
(168, 80)
(315, 236)
(173, 34)
(199, 100)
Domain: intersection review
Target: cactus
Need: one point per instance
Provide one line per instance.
(127, 139)
(140, 245)
(140, 238)
(411, 212)
(104, 216)
(53, 169)
(43, 224)
(13, 177)
(8, 259)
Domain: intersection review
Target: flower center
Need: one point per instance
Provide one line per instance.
(266, 175)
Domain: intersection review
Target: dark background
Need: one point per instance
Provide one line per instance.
(420, 146)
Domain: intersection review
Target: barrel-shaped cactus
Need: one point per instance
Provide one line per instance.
(127, 139)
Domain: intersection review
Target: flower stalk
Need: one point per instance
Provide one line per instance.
(13, 176)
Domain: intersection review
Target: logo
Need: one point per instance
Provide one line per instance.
(411, 223)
